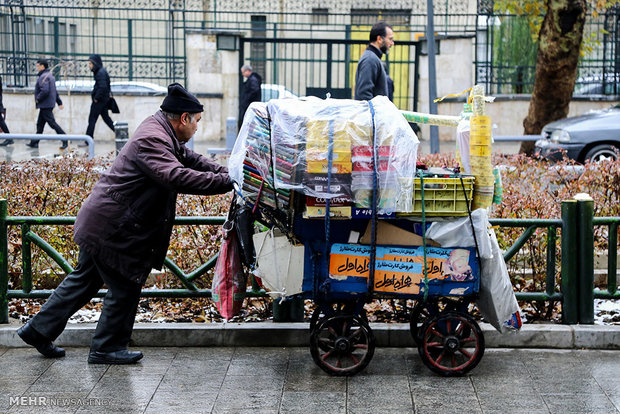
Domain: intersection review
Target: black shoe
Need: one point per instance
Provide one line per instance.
(83, 144)
(116, 357)
(64, 145)
(6, 142)
(33, 144)
(43, 345)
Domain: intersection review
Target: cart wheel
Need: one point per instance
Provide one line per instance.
(451, 344)
(337, 308)
(342, 345)
(423, 312)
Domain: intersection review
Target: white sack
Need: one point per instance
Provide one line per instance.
(458, 233)
(497, 301)
(280, 264)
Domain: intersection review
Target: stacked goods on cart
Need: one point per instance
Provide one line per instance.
(324, 150)
(256, 173)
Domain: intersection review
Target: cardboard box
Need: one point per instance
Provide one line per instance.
(401, 269)
(322, 167)
(339, 183)
(389, 234)
(333, 202)
(319, 212)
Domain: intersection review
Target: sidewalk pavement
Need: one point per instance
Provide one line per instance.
(266, 367)
(280, 334)
(286, 380)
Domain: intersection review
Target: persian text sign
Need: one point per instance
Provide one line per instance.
(400, 269)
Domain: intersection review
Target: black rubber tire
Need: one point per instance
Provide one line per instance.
(342, 345)
(601, 153)
(452, 344)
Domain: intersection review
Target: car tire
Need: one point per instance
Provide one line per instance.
(601, 153)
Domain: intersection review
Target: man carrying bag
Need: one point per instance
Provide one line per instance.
(100, 96)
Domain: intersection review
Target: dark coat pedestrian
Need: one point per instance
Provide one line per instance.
(100, 96)
(3, 126)
(371, 78)
(251, 91)
(124, 227)
(46, 98)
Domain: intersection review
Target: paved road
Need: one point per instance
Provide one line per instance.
(285, 380)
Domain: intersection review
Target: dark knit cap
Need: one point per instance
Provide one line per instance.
(179, 101)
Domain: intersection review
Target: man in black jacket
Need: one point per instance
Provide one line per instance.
(251, 91)
(100, 96)
(371, 79)
(3, 126)
(123, 229)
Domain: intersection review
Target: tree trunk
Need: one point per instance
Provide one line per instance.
(559, 42)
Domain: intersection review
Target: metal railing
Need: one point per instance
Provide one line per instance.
(576, 291)
(30, 237)
(55, 137)
(148, 44)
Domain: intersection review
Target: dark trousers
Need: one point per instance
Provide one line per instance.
(120, 304)
(3, 126)
(96, 109)
(46, 115)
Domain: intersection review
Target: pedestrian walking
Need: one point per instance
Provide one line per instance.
(46, 98)
(100, 96)
(251, 91)
(123, 229)
(371, 78)
(3, 126)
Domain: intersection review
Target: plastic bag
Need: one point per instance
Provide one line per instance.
(280, 264)
(457, 233)
(462, 144)
(229, 279)
(496, 300)
(245, 229)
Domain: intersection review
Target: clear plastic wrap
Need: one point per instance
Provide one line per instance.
(324, 149)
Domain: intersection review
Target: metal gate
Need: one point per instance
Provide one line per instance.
(315, 67)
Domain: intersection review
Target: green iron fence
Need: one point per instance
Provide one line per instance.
(148, 44)
(575, 288)
(30, 237)
(506, 54)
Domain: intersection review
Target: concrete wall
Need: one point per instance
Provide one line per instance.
(507, 114)
(213, 75)
(22, 114)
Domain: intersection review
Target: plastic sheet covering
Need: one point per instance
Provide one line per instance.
(294, 143)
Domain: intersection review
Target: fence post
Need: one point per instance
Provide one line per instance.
(121, 131)
(570, 304)
(585, 230)
(289, 310)
(4, 264)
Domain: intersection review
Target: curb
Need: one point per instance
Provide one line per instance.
(270, 334)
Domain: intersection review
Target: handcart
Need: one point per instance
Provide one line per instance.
(341, 277)
(341, 273)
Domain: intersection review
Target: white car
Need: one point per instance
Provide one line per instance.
(272, 91)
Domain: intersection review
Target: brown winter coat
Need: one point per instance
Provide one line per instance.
(127, 220)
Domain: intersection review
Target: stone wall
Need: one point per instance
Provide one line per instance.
(22, 114)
